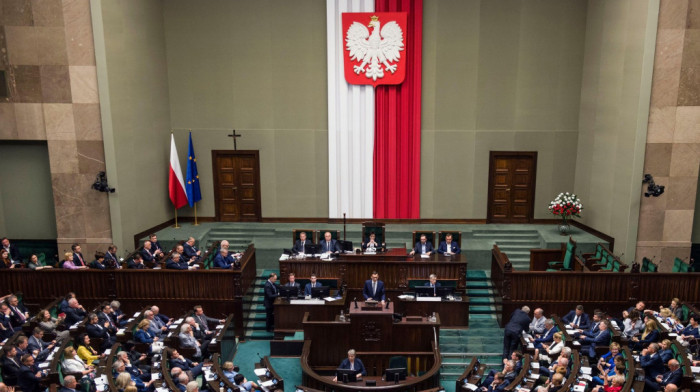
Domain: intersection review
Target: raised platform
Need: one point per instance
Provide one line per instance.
(477, 239)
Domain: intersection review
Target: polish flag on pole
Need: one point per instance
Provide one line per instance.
(176, 186)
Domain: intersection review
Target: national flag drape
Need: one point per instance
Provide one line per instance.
(176, 187)
(193, 192)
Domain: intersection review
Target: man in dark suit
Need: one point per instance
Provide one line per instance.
(6, 328)
(300, 244)
(20, 314)
(547, 336)
(423, 247)
(577, 318)
(191, 252)
(374, 288)
(12, 250)
(99, 262)
(78, 258)
(310, 285)
(353, 363)
(223, 260)
(593, 327)
(271, 293)
(105, 317)
(111, 260)
(136, 262)
(177, 360)
(448, 246)
(69, 384)
(203, 320)
(602, 338)
(155, 245)
(96, 330)
(292, 282)
(75, 312)
(432, 282)
(176, 262)
(10, 366)
(329, 245)
(519, 322)
(651, 362)
(37, 346)
(29, 378)
(148, 253)
(673, 376)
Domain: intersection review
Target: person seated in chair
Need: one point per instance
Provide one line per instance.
(190, 251)
(353, 363)
(329, 245)
(223, 260)
(577, 318)
(111, 259)
(448, 246)
(300, 244)
(178, 360)
(650, 360)
(99, 261)
(673, 376)
(293, 283)
(370, 244)
(136, 262)
(423, 247)
(310, 285)
(176, 262)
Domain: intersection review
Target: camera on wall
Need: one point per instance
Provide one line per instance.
(652, 188)
(101, 185)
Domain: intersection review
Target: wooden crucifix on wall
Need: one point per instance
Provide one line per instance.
(234, 136)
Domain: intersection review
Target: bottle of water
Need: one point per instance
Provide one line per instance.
(342, 315)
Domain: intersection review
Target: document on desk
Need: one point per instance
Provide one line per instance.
(260, 371)
(424, 256)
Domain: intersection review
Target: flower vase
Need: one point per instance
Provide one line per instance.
(564, 227)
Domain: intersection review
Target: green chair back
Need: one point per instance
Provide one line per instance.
(568, 256)
(335, 234)
(429, 235)
(310, 235)
(398, 361)
(677, 265)
(456, 236)
(653, 267)
(686, 312)
(616, 266)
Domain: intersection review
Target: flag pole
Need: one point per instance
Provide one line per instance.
(176, 226)
(195, 215)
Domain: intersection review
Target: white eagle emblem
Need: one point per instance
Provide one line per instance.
(374, 50)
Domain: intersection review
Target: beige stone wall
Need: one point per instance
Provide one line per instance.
(673, 140)
(48, 54)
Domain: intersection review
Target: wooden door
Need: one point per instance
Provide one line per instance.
(236, 185)
(511, 186)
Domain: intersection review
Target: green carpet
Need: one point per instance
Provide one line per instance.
(290, 371)
(247, 355)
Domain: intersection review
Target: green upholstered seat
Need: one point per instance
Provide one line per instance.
(456, 236)
(429, 235)
(310, 235)
(335, 234)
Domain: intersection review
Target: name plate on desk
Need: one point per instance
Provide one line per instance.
(414, 318)
(429, 299)
(315, 301)
(372, 308)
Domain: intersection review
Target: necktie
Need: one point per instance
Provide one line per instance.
(21, 316)
(374, 288)
(328, 246)
(80, 259)
(423, 249)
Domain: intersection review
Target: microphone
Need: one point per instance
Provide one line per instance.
(388, 300)
(355, 299)
(262, 362)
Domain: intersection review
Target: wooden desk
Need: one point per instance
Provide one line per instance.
(452, 313)
(288, 316)
(394, 271)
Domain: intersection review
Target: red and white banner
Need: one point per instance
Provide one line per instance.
(176, 186)
(374, 47)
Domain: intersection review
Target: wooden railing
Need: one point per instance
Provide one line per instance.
(175, 292)
(610, 292)
(374, 360)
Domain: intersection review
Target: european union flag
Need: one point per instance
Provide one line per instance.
(192, 183)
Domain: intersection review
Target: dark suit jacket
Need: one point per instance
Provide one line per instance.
(418, 247)
(10, 371)
(147, 255)
(519, 322)
(96, 265)
(359, 366)
(307, 288)
(102, 317)
(652, 365)
(672, 377)
(15, 318)
(584, 323)
(14, 253)
(171, 264)
(74, 315)
(64, 389)
(34, 345)
(131, 265)
(143, 336)
(367, 290)
(443, 247)
(333, 248)
(76, 259)
(271, 292)
(155, 246)
(27, 380)
(6, 322)
(666, 355)
(296, 284)
(299, 247)
(111, 261)
(221, 262)
(94, 331)
(189, 251)
(183, 363)
(547, 335)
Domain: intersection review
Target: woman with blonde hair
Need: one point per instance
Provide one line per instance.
(68, 262)
(142, 334)
(123, 381)
(649, 335)
(73, 364)
(551, 349)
